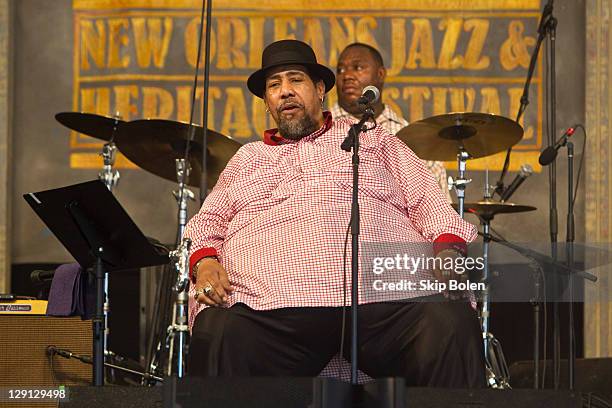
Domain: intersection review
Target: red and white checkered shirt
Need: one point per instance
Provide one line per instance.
(278, 215)
(393, 123)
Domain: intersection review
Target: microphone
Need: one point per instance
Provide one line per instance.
(369, 95)
(550, 153)
(39, 277)
(525, 172)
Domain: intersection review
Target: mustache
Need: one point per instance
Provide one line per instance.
(288, 105)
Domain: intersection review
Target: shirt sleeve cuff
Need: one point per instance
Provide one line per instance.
(450, 241)
(197, 255)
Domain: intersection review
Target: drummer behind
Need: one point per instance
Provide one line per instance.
(361, 65)
(266, 257)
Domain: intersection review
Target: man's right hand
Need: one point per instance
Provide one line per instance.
(211, 274)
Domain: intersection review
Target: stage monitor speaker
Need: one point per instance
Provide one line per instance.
(592, 375)
(23, 353)
(321, 393)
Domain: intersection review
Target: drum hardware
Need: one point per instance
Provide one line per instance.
(466, 135)
(103, 128)
(179, 327)
(182, 195)
(460, 136)
(496, 367)
(158, 146)
(110, 178)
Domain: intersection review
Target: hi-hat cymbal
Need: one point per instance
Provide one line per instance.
(489, 208)
(155, 144)
(90, 124)
(442, 137)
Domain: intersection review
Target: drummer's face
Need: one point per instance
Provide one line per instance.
(294, 101)
(357, 69)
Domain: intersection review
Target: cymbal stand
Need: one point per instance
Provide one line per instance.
(460, 183)
(498, 375)
(110, 178)
(179, 328)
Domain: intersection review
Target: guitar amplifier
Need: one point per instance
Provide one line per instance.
(24, 360)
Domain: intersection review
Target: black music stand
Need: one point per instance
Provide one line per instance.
(91, 224)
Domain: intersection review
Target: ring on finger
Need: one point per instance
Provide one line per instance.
(197, 293)
(208, 290)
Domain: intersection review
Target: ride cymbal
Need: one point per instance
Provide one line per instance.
(442, 137)
(155, 144)
(90, 124)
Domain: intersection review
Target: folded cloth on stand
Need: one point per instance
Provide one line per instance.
(72, 293)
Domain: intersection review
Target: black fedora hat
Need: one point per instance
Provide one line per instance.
(288, 52)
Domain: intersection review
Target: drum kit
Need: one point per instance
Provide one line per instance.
(159, 146)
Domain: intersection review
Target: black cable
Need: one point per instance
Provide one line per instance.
(195, 86)
(344, 258)
(579, 126)
(590, 399)
(204, 175)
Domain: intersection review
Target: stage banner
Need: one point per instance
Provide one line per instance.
(136, 58)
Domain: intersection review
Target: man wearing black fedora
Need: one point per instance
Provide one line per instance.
(267, 254)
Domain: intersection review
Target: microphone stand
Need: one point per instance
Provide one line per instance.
(570, 237)
(352, 141)
(546, 27)
(542, 32)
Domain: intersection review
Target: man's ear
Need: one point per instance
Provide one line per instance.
(382, 73)
(321, 89)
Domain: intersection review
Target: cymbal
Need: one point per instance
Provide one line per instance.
(90, 124)
(442, 137)
(489, 208)
(154, 144)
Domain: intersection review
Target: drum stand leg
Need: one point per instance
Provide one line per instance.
(179, 329)
(498, 375)
(110, 178)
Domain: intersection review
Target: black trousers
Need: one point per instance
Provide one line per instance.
(429, 343)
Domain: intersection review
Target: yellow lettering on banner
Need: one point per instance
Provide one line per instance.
(124, 94)
(417, 96)
(363, 31)
(473, 59)
(282, 28)
(421, 45)
(116, 41)
(490, 101)
(514, 94)
(340, 38)
(93, 43)
(192, 33)
(330, 99)
(96, 100)
(313, 35)
(439, 101)
(452, 31)
(183, 104)
(256, 41)
(458, 99)
(398, 46)
(390, 97)
(513, 51)
(233, 36)
(235, 118)
(157, 103)
(149, 41)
